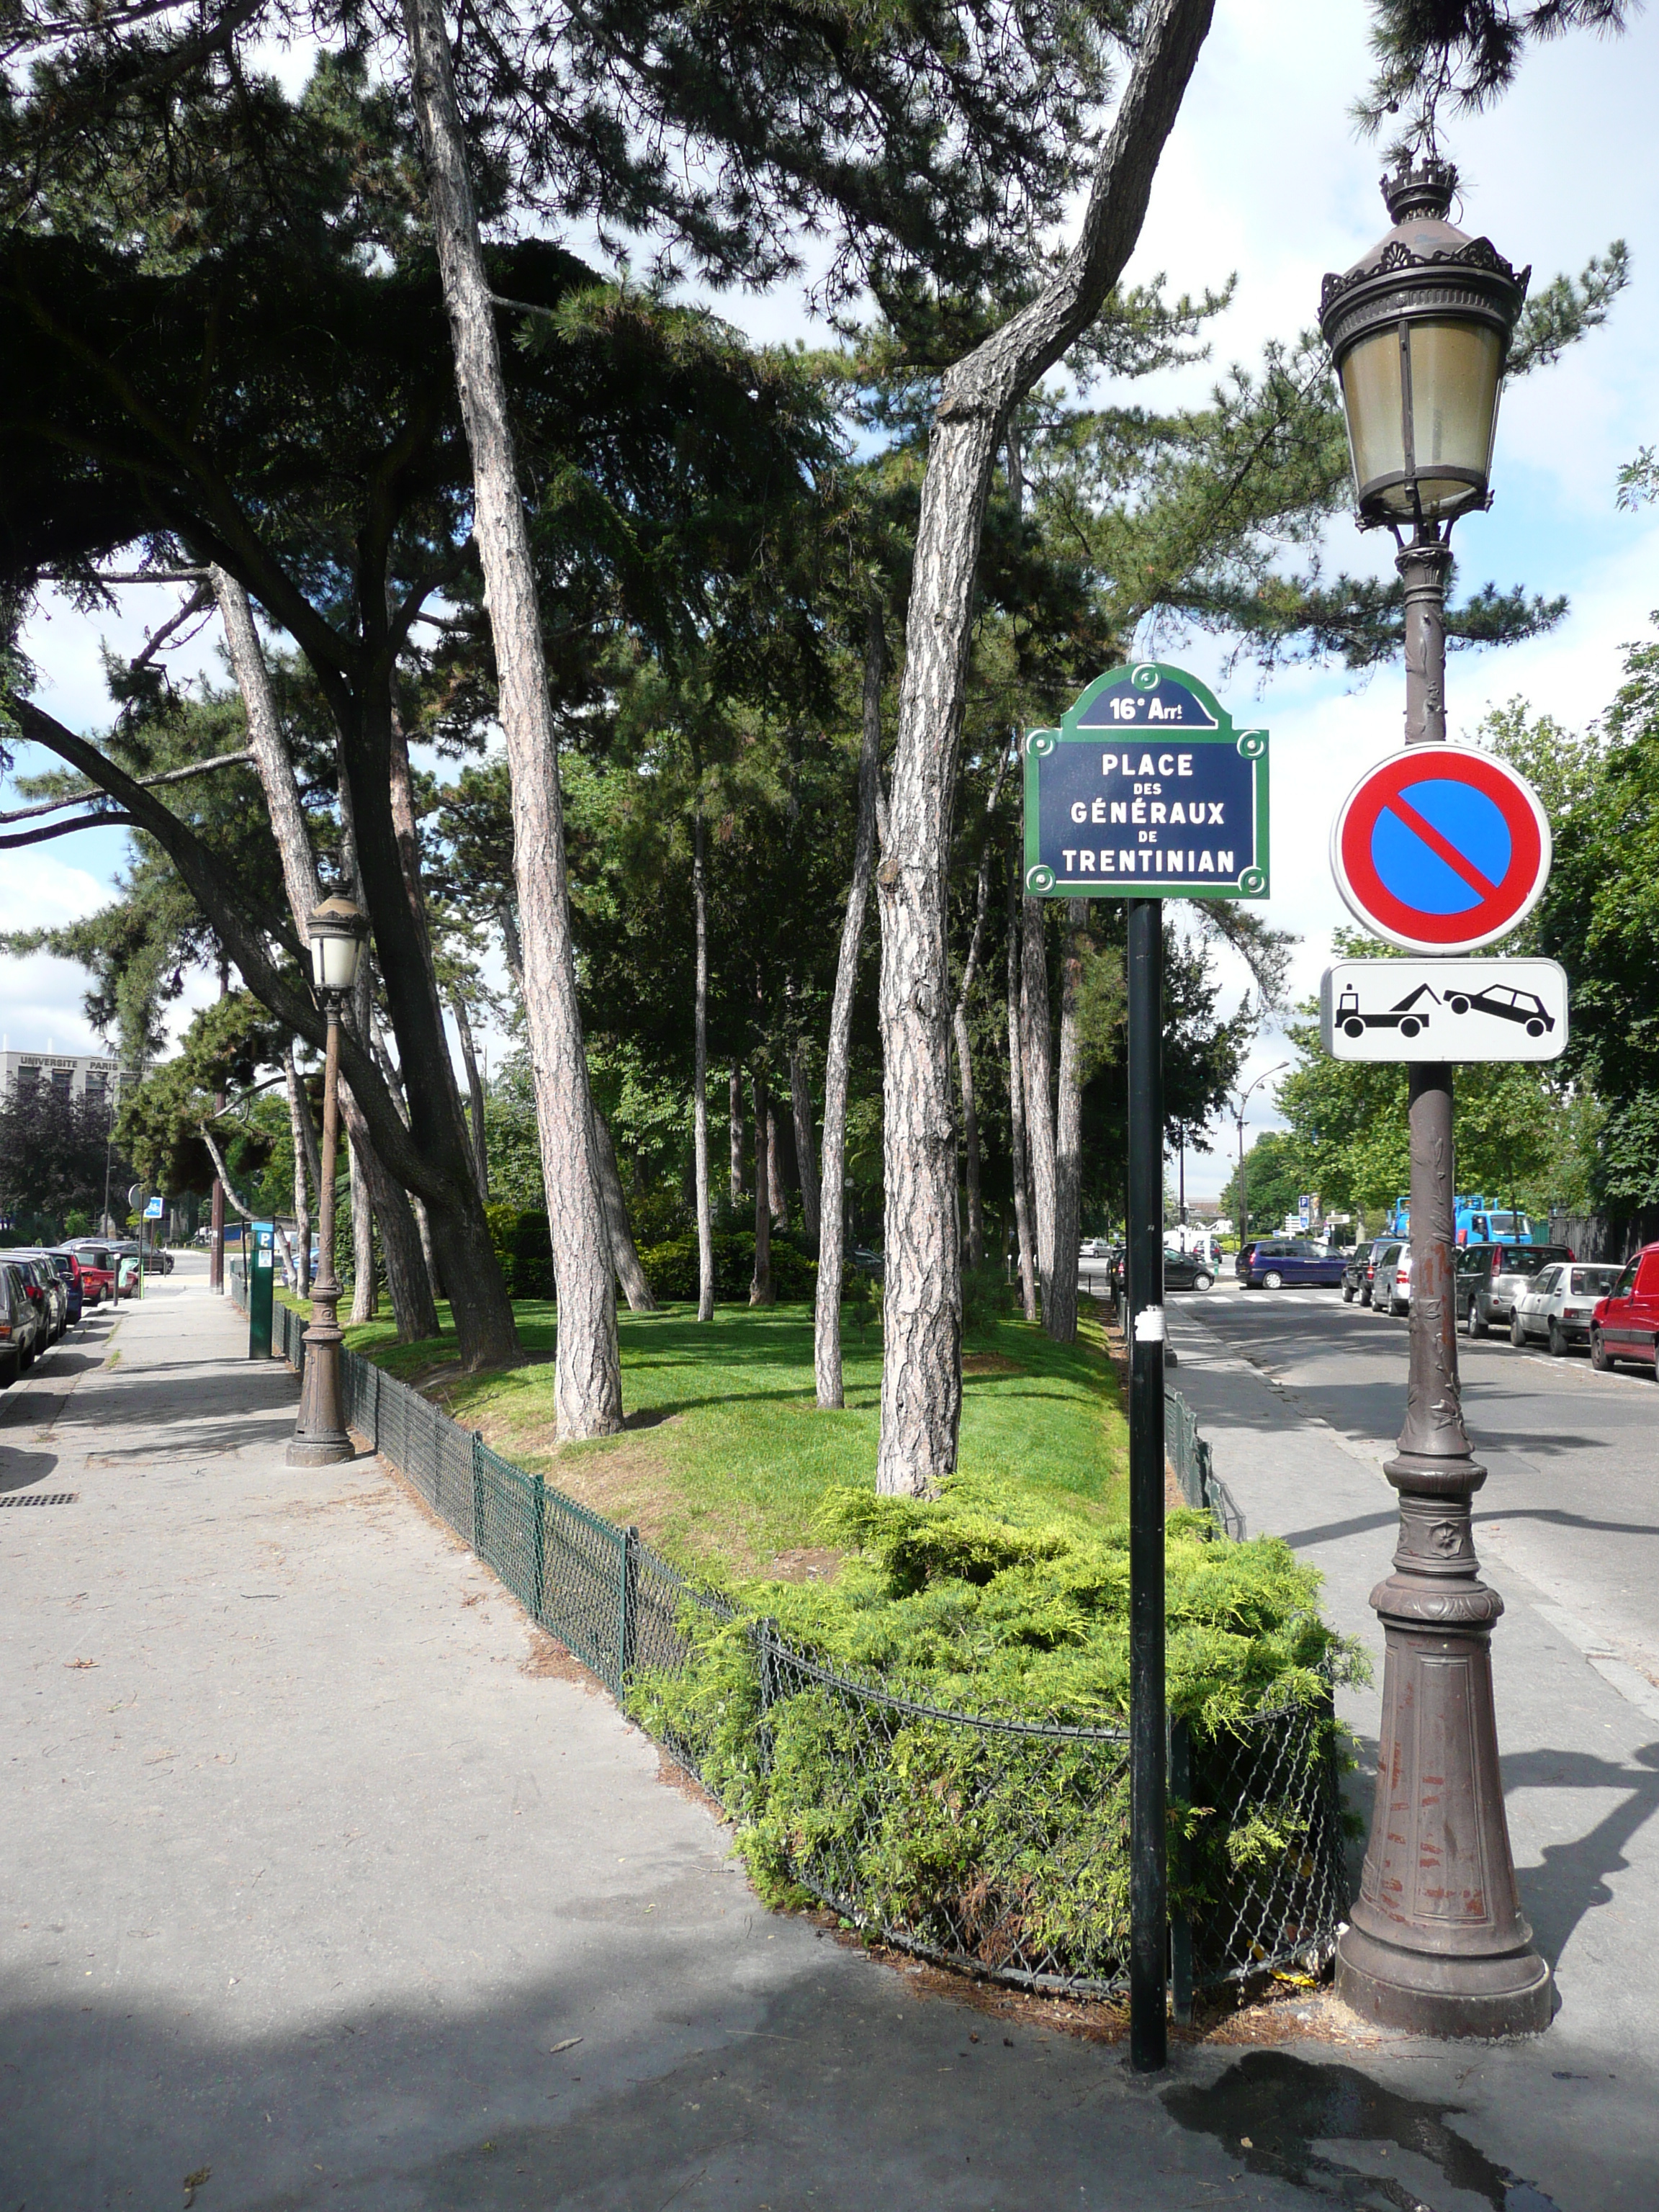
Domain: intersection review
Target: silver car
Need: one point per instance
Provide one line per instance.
(1492, 1277)
(1557, 1305)
(1391, 1284)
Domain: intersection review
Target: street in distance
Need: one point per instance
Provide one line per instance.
(1467, 1009)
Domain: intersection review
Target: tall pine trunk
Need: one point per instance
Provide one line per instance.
(959, 1029)
(774, 1170)
(1037, 1055)
(734, 1122)
(760, 1289)
(365, 1290)
(587, 1376)
(624, 1256)
(700, 1087)
(299, 1117)
(475, 1091)
(832, 1218)
(921, 1375)
(800, 1101)
(1028, 1281)
(1059, 1303)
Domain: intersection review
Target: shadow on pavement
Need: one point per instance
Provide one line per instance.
(1573, 1877)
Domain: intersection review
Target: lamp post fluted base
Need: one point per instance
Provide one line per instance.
(320, 1438)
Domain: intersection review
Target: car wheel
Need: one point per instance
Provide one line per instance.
(1203, 1282)
(1273, 1280)
(1518, 1334)
(1366, 1296)
(1347, 1294)
(1558, 1340)
(1398, 1312)
(1459, 1005)
(1474, 1326)
(1601, 1358)
(8, 1372)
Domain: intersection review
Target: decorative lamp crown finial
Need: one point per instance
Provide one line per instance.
(1419, 188)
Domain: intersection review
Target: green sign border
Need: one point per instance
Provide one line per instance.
(1252, 882)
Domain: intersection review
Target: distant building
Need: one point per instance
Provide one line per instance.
(77, 1075)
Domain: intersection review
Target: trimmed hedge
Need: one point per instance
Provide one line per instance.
(671, 1268)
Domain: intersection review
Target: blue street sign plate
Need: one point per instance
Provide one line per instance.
(1147, 789)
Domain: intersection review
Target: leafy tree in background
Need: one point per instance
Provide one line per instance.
(54, 1152)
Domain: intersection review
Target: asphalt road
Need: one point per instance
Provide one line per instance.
(1571, 1499)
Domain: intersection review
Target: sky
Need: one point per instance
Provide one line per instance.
(1264, 179)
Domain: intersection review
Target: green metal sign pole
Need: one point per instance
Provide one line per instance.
(1146, 792)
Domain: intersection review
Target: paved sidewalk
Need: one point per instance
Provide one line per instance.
(314, 1885)
(1577, 2110)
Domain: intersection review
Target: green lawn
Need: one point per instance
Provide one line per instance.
(725, 1456)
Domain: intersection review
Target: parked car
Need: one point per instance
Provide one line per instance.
(97, 1271)
(1357, 1273)
(1491, 1277)
(43, 1290)
(1624, 1325)
(1185, 1271)
(1241, 1257)
(20, 1325)
(158, 1260)
(1279, 1261)
(869, 1263)
(1391, 1275)
(1558, 1305)
(69, 1274)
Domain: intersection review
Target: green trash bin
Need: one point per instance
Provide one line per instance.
(261, 1289)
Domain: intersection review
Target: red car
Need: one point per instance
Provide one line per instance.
(1624, 1324)
(97, 1273)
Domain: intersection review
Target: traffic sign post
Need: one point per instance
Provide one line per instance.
(1146, 790)
(1458, 1010)
(1441, 849)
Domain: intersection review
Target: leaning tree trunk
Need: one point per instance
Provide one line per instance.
(298, 1117)
(922, 1377)
(800, 1101)
(734, 1112)
(475, 1090)
(624, 1256)
(761, 1291)
(700, 1086)
(1039, 1084)
(1016, 1105)
(1060, 1303)
(407, 1276)
(832, 1223)
(587, 1385)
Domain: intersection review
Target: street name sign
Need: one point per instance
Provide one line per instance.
(1146, 790)
(1441, 849)
(1443, 1010)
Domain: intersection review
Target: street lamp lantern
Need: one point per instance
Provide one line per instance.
(1420, 332)
(1436, 1941)
(336, 930)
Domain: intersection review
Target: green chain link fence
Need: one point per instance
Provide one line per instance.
(988, 1843)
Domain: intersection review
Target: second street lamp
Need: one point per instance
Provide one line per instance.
(335, 930)
(1419, 331)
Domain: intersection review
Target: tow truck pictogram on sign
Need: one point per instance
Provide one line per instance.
(1444, 1010)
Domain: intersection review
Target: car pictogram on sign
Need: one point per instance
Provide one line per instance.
(1509, 1004)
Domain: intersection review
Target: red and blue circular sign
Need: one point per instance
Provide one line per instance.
(1441, 849)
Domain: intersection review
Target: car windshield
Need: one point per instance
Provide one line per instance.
(1527, 1259)
(1594, 1282)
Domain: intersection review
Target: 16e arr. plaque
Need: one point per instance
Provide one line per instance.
(1146, 790)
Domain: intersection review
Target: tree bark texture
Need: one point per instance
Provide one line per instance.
(774, 1170)
(761, 1291)
(365, 1289)
(832, 1218)
(921, 1379)
(800, 1101)
(475, 1091)
(1037, 1053)
(587, 1384)
(410, 1284)
(1060, 1306)
(959, 1029)
(735, 1121)
(1028, 1281)
(298, 1116)
(624, 1256)
(700, 1074)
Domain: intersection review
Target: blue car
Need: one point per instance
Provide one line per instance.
(1282, 1263)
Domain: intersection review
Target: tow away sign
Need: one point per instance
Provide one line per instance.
(1446, 1010)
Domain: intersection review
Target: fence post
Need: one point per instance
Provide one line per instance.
(1181, 1928)
(538, 1551)
(378, 1372)
(477, 1492)
(628, 1572)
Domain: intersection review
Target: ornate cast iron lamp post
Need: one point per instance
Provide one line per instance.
(336, 930)
(1420, 332)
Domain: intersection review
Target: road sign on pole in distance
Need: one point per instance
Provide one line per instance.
(153, 1211)
(1444, 1010)
(1441, 849)
(1146, 790)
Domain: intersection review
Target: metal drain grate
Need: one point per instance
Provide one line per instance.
(42, 1498)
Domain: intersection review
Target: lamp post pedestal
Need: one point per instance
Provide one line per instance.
(320, 1438)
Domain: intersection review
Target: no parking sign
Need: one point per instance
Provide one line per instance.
(1441, 849)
